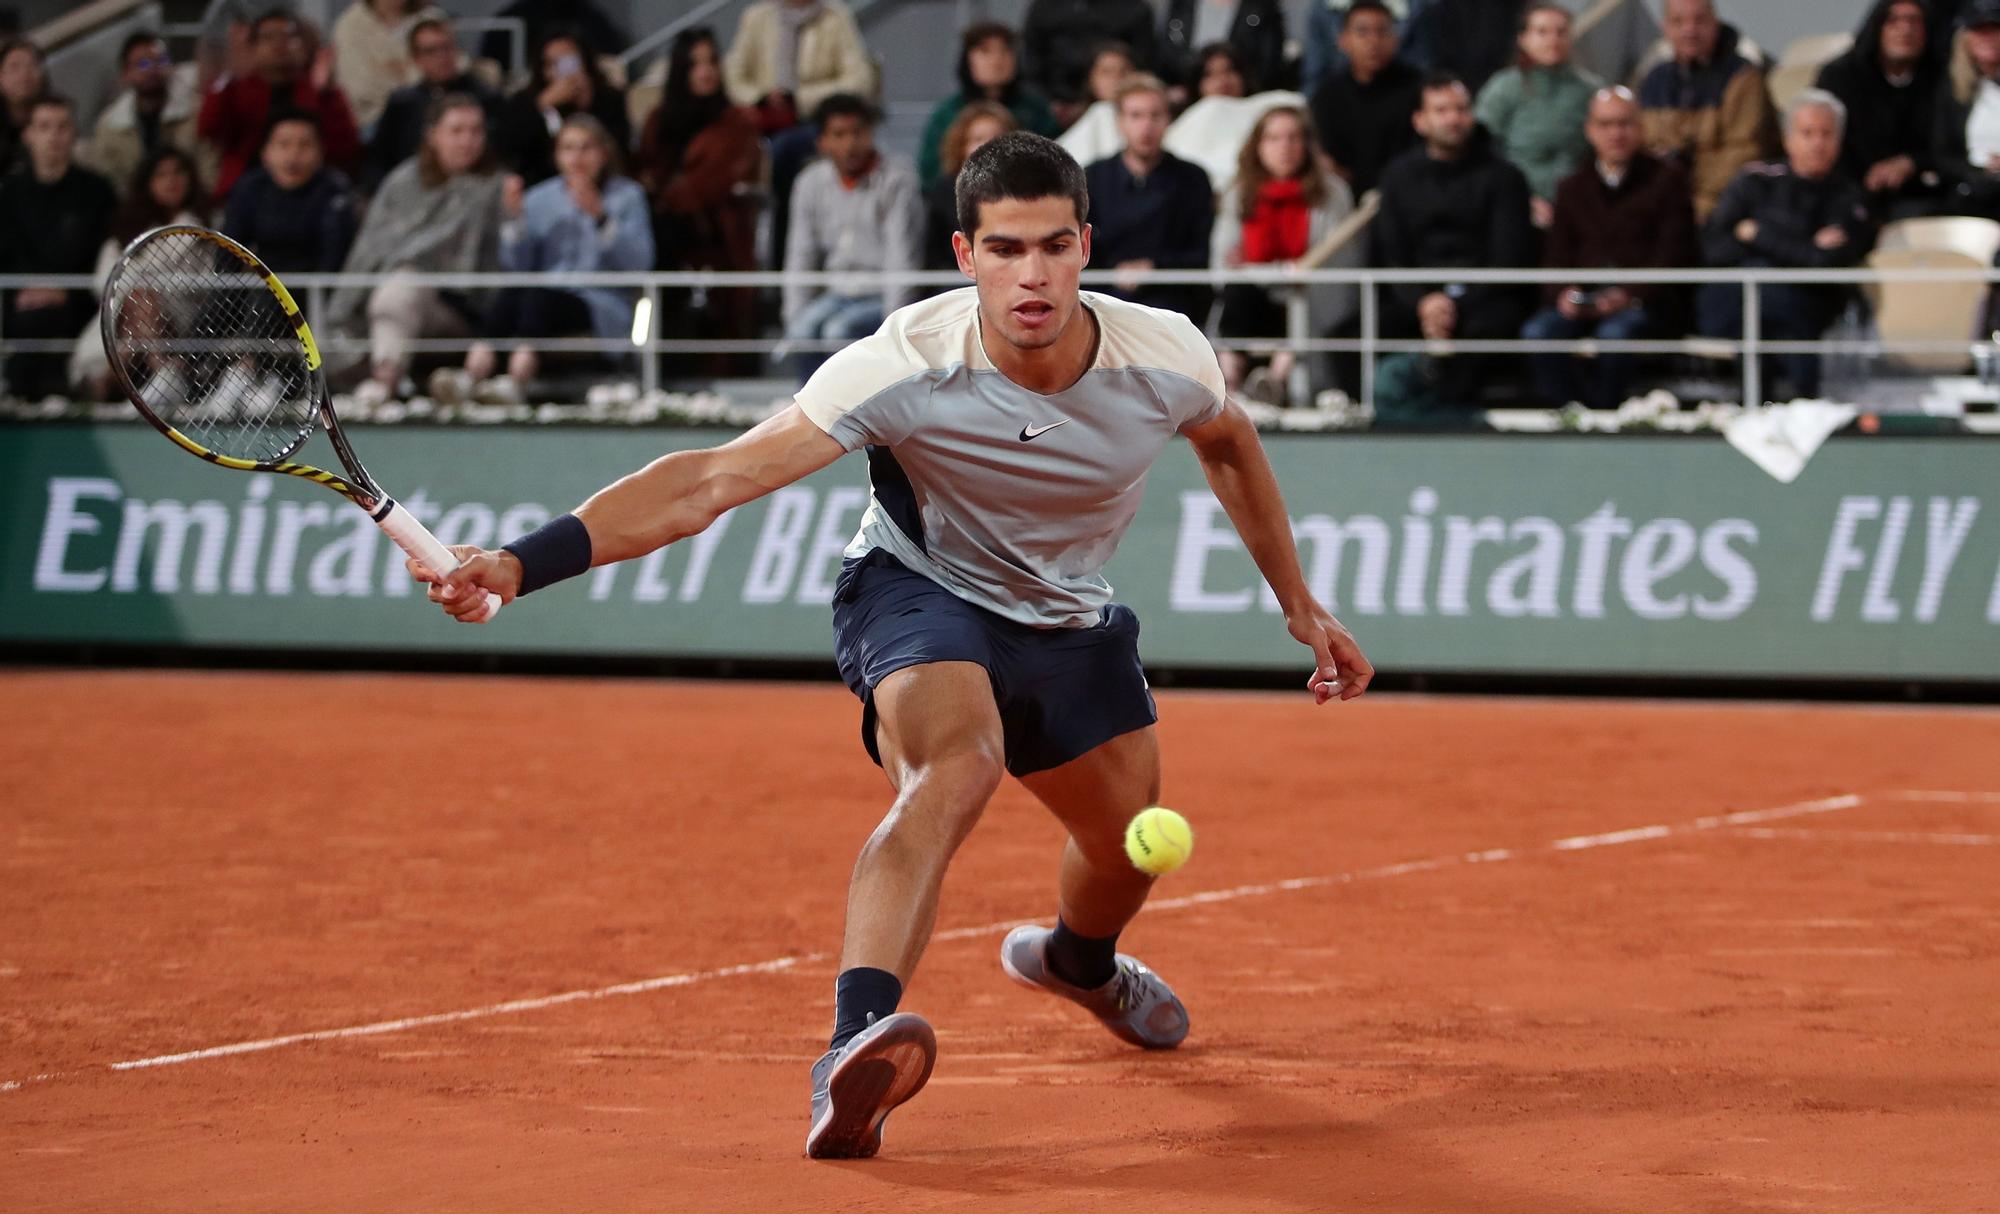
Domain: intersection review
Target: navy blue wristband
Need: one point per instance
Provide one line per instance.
(558, 549)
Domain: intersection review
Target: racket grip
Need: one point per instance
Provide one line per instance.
(416, 540)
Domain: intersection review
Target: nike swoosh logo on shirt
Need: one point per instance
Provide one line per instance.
(1028, 432)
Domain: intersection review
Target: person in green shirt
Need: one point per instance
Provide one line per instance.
(989, 69)
(1535, 109)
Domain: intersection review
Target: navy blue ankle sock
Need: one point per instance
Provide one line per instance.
(1085, 961)
(862, 995)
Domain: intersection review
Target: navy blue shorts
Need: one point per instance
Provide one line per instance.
(1061, 691)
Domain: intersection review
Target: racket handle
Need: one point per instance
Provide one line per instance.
(416, 540)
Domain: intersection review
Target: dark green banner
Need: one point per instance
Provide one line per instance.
(1536, 555)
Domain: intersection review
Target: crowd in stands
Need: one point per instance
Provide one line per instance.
(383, 148)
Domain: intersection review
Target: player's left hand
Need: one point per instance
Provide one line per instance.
(1340, 669)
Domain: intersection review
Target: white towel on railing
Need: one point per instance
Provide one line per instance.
(1781, 438)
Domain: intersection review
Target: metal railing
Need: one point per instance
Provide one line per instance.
(650, 290)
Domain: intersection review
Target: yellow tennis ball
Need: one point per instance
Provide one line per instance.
(1158, 840)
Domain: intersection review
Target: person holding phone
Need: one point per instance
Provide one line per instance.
(566, 81)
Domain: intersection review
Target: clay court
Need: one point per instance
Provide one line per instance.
(296, 941)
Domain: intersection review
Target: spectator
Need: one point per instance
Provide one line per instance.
(238, 108)
(1223, 73)
(1535, 109)
(1062, 38)
(587, 218)
(1282, 203)
(1796, 214)
(1363, 110)
(1470, 39)
(566, 80)
(1966, 143)
(165, 187)
(988, 70)
(1256, 28)
(855, 211)
(371, 55)
(977, 124)
(1094, 134)
(1321, 56)
(440, 67)
(1149, 209)
(56, 215)
(699, 161)
(291, 210)
(23, 78)
(1453, 203)
(1628, 210)
(788, 57)
(1889, 84)
(437, 213)
(540, 17)
(155, 109)
(1707, 107)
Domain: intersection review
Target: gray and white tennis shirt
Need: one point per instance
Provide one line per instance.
(1008, 498)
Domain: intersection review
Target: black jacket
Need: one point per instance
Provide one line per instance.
(1471, 39)
(1789, 210)
(1465, 213)
(54, 227)
(1883, 120)
(400, 131)
(1166, 218)
(295, 231)
(1969, 189)
(1059, 38)
(525, 144)
(1258, 32)
(1365, 126)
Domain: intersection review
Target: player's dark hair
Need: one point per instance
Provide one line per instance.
(842, 105)
(1019, 164)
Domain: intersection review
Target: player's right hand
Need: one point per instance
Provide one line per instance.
(496, 571)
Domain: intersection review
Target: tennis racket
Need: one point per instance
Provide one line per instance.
(212, 349)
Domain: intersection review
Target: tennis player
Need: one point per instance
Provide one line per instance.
(1009, 428)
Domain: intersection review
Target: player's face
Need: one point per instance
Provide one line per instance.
(1026, 258)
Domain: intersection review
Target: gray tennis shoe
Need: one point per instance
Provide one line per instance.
(1136, 1004)
(855, 1087)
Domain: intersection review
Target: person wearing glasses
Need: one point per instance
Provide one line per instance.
(440, 69)
(155, 109)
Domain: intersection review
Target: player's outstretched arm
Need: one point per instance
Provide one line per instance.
(1240, 474)
(673, 497)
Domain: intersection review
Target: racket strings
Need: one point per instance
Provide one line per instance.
(202, 341)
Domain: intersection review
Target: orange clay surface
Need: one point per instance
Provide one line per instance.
(1789, 1011)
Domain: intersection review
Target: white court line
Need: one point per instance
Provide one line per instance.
(1868, 836)
(779, 964)
(1945, 797)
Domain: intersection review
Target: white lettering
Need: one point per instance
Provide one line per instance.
(1877, 606)
(828, 542)
(776, 560)
(1842, 556)
(1199, 536)
(173, 519)
(1413, 572)
(1540, 567)
(341, 569)
(1950, 523)
(1326, 539)
(250, 536)
(64, 520)
(294, 518)
(1658, 551)
(1732, 568)
(1461, 537)
(649, 584)
(1593, 558)
(466, 523)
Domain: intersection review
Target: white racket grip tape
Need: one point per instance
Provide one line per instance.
(416, 539)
